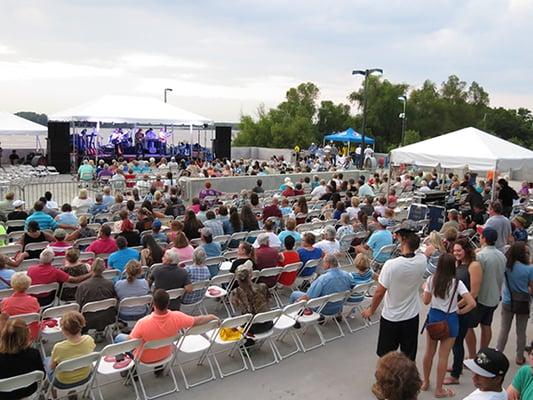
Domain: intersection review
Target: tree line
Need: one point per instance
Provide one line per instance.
(431, 110)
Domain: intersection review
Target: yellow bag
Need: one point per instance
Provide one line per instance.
(230, 334)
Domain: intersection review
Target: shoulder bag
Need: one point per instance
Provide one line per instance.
(520, 302)
(440, 330)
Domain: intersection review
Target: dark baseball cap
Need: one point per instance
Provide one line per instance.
(491, 235)
(488, 362)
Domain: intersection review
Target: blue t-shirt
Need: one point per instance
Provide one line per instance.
(120, 258)
(67, 218)
(306, 255)
(379, 239)
(519, 279)
(297, 237)
(5, 274)
(334, 280)
(212, 249)
(359, 278)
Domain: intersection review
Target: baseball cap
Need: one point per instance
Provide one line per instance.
(488, 362)
(529, 348)
(518, 219)
(18, 203)
(156, 224)
(491, 235)
(406, 226)
(205, 231)
(384, 221)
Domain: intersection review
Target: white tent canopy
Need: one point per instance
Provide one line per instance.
(468, 147)
(132, 110)
(11, 124)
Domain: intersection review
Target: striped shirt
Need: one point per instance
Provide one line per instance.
(196, 274)
(44, 220)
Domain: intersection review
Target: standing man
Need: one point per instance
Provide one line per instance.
(492, 263)
(500, 224)
(507, 196)
(399, 283)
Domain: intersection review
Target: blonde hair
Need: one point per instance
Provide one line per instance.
(361, 262)
(133, 270)
(436, 240)
(14, 337)
(20, 281)
(72, 255)
(355, 201)
(83, 194)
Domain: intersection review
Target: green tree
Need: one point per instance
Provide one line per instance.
(33, 116)
(333, 117)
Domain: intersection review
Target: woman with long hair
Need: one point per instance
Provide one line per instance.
(518, 282)
(191, 225)
(245, 252)
(152, 253)
(18, 357)
(234, 224)
(132, 286)
(249, 221)
(468, 271)
(441, 291)
(182, 247)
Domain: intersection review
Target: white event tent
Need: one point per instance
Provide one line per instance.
(131, 110)
(11, 124)
(468, 147)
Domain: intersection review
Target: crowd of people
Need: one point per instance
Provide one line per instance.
(337, 229)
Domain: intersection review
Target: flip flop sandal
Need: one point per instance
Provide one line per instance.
(447, 393)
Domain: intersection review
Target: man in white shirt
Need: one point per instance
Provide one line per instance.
(329, 245)
(399, 283)
(320, 190)
(364, 190)
(488, 368)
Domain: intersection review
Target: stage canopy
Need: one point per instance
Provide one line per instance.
(11, 124)
(468, 147)
(131, 110)
(349, 135)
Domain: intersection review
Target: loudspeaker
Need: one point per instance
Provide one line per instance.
(222, 142)
(59, 146)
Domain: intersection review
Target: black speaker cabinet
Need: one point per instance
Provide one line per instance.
(59, 146)
(222, 143)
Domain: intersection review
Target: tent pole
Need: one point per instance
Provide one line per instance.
(389, 180)
(494, 181)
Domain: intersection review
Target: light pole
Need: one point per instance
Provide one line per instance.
(365, 73)
(165, 93)
(403, 116)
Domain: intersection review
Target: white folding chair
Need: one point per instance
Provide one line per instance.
(83, 243)
(50, 335)
(45, 289)
(6, 293)
(305, 274)
(213, 263)
(352, 310)
(223, 240)
(339, 297)
(102, 305)
(88, 361)
(346, 245)
(23, 381)
(314, 307)
(285, 325)
(16, 223)
(235, 239)
(134, 302)
(222, 285)
(66, 285)
(197, 288)
(164, 364)
(230, 255)
(252, 235)
(261, 338)
(105, 368)
(287, 269)
(36, 246)
(384, 251)
(218, 345)
(268, 273)
(111, 274)
(14, 236)
(193, 342)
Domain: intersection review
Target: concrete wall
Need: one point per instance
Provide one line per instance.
(259, 153)
(234, 184)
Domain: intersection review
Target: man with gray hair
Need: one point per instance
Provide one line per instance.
(329, 245)
(333, 280)
(170, 276)
(45, 273)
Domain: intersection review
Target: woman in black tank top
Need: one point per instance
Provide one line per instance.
(34, 235)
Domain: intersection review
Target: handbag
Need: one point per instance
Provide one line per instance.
(520, 302)
(440, 330)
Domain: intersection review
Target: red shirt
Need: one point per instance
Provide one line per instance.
(288, 192)
(289, 257)
(131, 178)
(266, 257)
(22, 303)
(46, 273)
(271, 211)
(100, 246)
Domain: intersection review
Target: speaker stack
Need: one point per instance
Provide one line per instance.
(222, 142)
(59, 146)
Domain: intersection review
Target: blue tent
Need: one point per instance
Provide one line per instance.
(349, 135)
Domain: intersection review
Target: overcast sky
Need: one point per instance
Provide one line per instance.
(223, 58)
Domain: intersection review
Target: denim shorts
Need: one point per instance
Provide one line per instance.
(453, 321)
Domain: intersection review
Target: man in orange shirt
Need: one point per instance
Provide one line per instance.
(161, 324)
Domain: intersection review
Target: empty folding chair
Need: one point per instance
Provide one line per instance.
(285, 325)
(110, 356)
(309, 318)
(355, 303)
(262, 337)
(67, 292)
(8, 385)
(101, 305)
(338, 298)
(50, 331)
(194, 342)
(237, 328)
(164, 364)
(84, 387)
(219, 288)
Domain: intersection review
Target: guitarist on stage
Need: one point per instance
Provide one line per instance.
(139, 142)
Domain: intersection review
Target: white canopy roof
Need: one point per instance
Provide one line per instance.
(11, 124)
(468, 147)
(129, 109)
